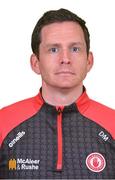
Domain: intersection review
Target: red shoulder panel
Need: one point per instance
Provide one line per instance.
(97, 112)
(11, 116)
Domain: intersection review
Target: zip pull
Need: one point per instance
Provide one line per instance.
(59, 138)
(59, 109)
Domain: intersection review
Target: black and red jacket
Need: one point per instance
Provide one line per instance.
(41, 141)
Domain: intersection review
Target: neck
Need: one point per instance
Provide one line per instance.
(61, 96)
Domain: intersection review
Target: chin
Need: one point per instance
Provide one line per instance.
(65, 86)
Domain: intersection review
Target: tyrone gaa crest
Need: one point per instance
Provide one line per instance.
(95, 162)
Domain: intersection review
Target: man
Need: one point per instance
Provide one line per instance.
(60, 133)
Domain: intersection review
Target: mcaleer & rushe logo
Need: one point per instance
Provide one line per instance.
(23, 164)
(12, 164)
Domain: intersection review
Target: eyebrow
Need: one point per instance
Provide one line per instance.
(59, 44)
(52, 44)
(77, 43)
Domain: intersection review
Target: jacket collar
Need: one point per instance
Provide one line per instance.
(81, 103)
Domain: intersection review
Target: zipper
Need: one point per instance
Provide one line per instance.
(59, 139)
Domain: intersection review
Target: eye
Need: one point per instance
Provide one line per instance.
(53, 50)
(75, 49)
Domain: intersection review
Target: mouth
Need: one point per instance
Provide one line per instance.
(65, 73)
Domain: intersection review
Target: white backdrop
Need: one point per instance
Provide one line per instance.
(17, 20)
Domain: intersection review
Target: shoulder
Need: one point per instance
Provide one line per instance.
(26, 106)
(23, 107)
(101, 114)
(14, 114)
(100, 110)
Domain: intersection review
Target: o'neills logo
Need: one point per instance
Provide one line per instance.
(95, 162)
(17, 138)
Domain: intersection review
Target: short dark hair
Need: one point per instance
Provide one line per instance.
(53, 16)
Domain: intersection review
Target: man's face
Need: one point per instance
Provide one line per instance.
(63, 61)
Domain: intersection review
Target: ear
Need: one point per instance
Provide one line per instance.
(34, 62)
(90, 61)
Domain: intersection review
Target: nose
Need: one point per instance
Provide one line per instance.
(64, 57)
